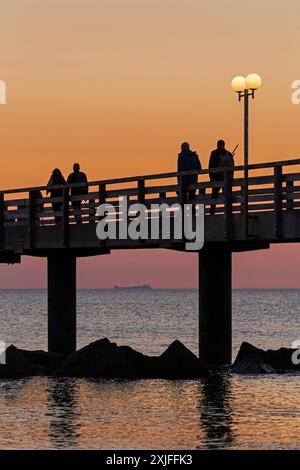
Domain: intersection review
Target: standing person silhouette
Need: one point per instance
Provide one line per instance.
(219, 158)
(55, 180)
(77, 177)
(187, 161)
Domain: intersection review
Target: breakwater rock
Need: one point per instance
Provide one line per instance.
(252, 360)
(104, 359)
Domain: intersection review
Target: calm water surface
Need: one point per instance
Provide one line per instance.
(224, 411)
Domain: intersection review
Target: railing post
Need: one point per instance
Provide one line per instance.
(141, 191)
(32, 219)
(290, 192)
(2, 220)
(278, 201)
(228, 205)
(182, 199)
(162, 197)
(141, 200)
(102, 193)
(246, 204)
(181, 194)
(242, 209)
(65, 217)
(102, 199)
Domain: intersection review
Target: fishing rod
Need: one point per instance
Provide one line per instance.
(234, 150)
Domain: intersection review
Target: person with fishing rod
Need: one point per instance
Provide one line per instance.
(220, 158)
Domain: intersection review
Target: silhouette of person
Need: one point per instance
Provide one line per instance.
(56, 179)
(219, 158)
(187, 161)
(77, 177)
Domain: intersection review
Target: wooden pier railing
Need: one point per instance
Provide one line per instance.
(272, 187)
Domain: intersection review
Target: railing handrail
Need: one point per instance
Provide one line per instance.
(254, 166)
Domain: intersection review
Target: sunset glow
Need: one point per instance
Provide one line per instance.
(119, 85)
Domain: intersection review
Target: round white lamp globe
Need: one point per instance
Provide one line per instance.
(253, 81)
(238, 84)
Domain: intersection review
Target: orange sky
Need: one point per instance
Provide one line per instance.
(118, 84)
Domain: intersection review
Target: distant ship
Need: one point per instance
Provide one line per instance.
(142, 286)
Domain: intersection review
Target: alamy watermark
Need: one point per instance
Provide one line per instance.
(296, 353)
(296, 93)
(2, 92)
(2, 352)
(154, 222)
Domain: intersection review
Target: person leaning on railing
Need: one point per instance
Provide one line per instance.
(76, 177)
(219, 158)
(188, 161)
(56, 179)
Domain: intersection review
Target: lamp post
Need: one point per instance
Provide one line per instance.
(246, 87)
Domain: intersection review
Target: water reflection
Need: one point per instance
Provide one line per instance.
(62, 405)
(12, 390)
(216, 411)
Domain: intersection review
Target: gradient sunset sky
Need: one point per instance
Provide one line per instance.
(118, 84)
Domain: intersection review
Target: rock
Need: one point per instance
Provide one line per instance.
(252, 364)
(102, 359)
(17, 365)
(179, 362)
(281, 359)
(252, 360)
(105, 359)
(46, 361)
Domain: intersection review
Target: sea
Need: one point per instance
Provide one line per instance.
(223, 411)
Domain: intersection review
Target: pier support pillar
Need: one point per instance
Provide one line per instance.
(215, 331)
(61, 303)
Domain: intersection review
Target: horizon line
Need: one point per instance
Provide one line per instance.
(151, 288)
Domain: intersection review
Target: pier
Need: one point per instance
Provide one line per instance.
(266, 212)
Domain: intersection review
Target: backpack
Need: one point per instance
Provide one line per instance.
(226, 160)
